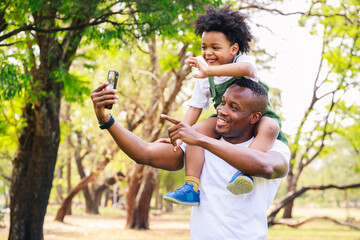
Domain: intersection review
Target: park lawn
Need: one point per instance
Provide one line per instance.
(175, 226)
(316, 230)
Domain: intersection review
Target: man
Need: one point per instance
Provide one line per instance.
(221, 215)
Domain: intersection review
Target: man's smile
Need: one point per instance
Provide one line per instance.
(221, 121)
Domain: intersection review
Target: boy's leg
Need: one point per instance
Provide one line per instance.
(195, 156)
(188, 194)
(266, 133)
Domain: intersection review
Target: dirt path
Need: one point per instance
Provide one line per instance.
(95, 227)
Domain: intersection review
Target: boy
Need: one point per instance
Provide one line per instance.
(224, 34)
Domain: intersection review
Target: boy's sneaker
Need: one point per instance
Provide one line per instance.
(184, 195)
(240, 183)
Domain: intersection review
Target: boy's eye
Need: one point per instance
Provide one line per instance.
(203, 48)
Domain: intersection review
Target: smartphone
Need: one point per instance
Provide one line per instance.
(112, 79)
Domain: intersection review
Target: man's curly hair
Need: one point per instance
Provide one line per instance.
(231, 23)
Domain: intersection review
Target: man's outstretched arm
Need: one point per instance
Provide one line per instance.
(159, 155)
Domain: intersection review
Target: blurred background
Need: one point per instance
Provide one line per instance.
(61, 177)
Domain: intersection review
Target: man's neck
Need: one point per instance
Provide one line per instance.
(237, 140)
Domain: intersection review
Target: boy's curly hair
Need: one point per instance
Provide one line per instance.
(231, 23)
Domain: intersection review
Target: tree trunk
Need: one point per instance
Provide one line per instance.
(133, 185)
(60, 215)
(98, 192)
(291, 187)
(33, 167)
(140, 212)
(68, 160)
(59, 174)
(288, 209)
(78, 157)
(141, 183)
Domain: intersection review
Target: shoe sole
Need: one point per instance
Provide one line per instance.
(172, 200)
(240, 185)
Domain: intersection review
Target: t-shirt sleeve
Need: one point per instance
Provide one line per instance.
(248, 59)
(284, 150)
(201, 95)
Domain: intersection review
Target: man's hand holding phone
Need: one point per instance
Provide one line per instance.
(102, 97)
(112, 79)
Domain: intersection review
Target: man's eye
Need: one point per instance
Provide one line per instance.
(233, 108)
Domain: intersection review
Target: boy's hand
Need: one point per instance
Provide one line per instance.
(102, 97)
(203, 69)
(167, 140)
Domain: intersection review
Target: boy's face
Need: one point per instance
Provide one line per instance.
(216, 49)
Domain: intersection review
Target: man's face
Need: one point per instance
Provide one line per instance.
(216, 49)
(234, 115)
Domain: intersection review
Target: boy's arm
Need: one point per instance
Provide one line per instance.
(266, 132)
(237, 69)
(192, 115)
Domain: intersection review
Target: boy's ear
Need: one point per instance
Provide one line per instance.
(234, 48)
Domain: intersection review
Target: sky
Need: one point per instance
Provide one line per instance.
(296, 63)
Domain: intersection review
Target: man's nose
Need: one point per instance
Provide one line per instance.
(223, 109)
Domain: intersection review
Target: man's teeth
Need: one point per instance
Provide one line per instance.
(221, 120)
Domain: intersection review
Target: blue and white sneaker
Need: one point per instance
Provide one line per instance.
(240, 183)
(185, 195)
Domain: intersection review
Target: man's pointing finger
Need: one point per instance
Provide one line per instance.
(170, 119)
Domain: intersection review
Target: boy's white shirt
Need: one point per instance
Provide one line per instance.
(223, 215)
(201, 94)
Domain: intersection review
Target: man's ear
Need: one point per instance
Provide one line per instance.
(234, 48)
(255, 117)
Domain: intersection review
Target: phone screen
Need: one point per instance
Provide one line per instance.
(112, 79)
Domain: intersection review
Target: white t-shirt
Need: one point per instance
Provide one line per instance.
(223, 215)
(201, 94)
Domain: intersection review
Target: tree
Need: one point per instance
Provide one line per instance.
(338, 71)
(336, 80)
(163, 87)
(48, 34)
(335, 83)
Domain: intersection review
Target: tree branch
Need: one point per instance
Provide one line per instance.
(277, 11)
(292, 195)
(296, 223)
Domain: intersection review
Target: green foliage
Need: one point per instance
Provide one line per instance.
(13, 82)
(338, 75)
(75, 88)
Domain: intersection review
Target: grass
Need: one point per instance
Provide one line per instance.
(175, 226)
(316, 230)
